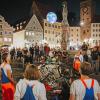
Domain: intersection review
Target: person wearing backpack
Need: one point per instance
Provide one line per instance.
(85, 88)
(30, 88)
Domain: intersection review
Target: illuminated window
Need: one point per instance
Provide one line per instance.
(32, 33)
(5, 39)
(26, 33)
(9, 39)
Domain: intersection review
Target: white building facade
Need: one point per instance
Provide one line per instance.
(6, 32)
(32, 33)
(95, 34)
(52, 33)
(74, 37)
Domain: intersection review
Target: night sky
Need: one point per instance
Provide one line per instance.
(13, 10)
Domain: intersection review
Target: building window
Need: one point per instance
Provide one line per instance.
(99, 35)
(0, 33)
(93, 30)
(0, 20)
(96, 25)
(77, 39)
(93, 41)
(5, 39)
(49, 39)
(77, 35)
(87, 19)
(49, 25)
(55, 26)
(71, 29)
(9, 39)
(93, 25)
(96, 35)
(45, 38)
(93, 35)
(45, 24)
(96, 30)
(77, 29)
(87, 30)
(72, 39)
(72, 35)
(27, 33)
(0, 26)
(59, 27)
(45, 31)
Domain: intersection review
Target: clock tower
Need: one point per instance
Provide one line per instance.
(86, 18)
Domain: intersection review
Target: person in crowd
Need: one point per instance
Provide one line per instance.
(77, 64)
(36, 48)
(7, 81)
(31, 49)
(95, 59)
(12, 53)
(85, 57)
(28, 58)
(85, 88)
(46, 49)
(84, 46)
(99, 57)
(79, 54)
(30, 88)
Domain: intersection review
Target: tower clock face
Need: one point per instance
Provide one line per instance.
(85, 10)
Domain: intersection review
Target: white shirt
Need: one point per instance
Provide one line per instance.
(78, 89)
(38, 89)
(5, 68)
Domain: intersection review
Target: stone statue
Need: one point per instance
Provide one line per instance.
(65, 13)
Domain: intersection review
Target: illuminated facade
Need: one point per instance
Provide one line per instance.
(31, 33)
(95, 34)
(6, 32)
(86, 18)
(52, 33)
(74, 37)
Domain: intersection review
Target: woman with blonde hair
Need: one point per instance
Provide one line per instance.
(30, 88)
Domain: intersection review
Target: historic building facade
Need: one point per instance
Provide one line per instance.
(74, 37)
(30, 32)
(6, 33)
(52, 33)
(95, 34)
(87, 11)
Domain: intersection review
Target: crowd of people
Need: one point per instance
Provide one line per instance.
(30, 87)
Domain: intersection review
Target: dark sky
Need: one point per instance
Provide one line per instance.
(13, 10)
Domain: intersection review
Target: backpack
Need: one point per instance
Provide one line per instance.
(29, 94)
(89, 94)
